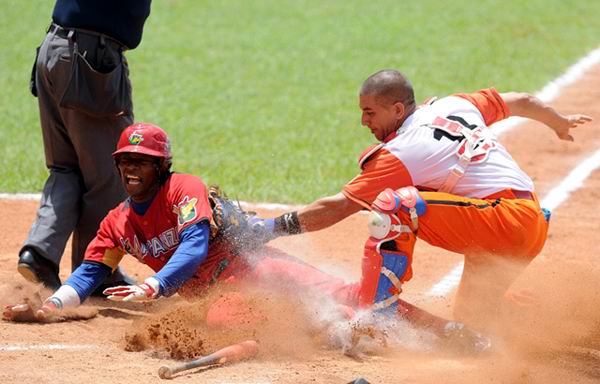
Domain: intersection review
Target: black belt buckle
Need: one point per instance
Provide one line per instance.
(61, 32)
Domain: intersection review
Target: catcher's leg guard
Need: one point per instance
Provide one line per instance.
(383, 270)
(384, 266)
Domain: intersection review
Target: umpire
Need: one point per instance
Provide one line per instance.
(81, 80)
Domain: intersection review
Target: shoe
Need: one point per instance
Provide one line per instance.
(464, 340)
(360, 380)
(38, 269)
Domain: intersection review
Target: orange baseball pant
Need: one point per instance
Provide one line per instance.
(499, 236)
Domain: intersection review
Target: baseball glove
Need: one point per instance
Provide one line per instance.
(231, 223)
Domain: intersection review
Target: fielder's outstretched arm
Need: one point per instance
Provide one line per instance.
(526, 105)
(320, 214)
(326, 212)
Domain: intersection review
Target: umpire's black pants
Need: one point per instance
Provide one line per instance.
(83, 184)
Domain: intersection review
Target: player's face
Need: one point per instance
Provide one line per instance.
(380, 116)
(139, 175)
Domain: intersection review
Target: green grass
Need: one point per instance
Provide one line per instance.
(260, 96)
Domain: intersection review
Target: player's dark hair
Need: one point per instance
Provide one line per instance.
(163, 168)
(391, 85)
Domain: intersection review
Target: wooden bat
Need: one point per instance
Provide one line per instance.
(244, 350)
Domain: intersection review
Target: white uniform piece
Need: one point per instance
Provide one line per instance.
(429, 159)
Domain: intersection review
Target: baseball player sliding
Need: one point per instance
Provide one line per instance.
(438, 174)
(191, 237)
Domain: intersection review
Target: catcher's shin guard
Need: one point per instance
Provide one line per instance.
(384, 268)
(383, 271)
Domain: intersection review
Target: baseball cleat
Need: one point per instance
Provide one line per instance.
(463, 339)
(359, 380)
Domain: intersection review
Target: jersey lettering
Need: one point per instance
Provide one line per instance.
(154, 247)
(474, 140)
(451, 130)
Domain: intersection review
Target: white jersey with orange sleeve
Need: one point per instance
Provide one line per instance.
(428, 147)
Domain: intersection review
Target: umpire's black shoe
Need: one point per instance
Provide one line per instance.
(37, 269)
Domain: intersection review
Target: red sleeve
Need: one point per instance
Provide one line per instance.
(490, 104)
(190, 200)
(104, 248)
(382, 170)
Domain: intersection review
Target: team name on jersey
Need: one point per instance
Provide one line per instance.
(153, 247)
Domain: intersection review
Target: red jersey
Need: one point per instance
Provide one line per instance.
(154, 236)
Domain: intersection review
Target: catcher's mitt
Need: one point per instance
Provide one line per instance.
(231, 223)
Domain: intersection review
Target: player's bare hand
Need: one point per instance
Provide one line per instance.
(18, 312)
(563, 131)
(30, 312)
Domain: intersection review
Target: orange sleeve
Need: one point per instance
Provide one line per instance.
(489, 103)
(383, 170)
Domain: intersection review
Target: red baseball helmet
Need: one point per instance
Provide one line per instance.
(146, 139)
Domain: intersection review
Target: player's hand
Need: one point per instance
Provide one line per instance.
(140, 292)
(18, 312)
(571, 121)
(263, 229)
(26, 312)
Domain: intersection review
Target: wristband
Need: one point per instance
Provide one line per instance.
(288, 223)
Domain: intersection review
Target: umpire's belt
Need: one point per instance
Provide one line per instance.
(71, 33)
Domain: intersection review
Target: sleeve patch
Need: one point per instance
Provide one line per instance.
(186, 210)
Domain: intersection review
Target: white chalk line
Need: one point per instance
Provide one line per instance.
(571, 183)
(244, 204)
(448, 282)
(21, 196)
(29, 347)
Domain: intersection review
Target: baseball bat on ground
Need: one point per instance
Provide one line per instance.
(241, 351)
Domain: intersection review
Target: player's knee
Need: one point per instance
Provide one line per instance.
(385, 223)
(405, 198)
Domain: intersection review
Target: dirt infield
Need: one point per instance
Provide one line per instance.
(556, 341)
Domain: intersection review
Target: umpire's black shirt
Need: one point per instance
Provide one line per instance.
(123, 20)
